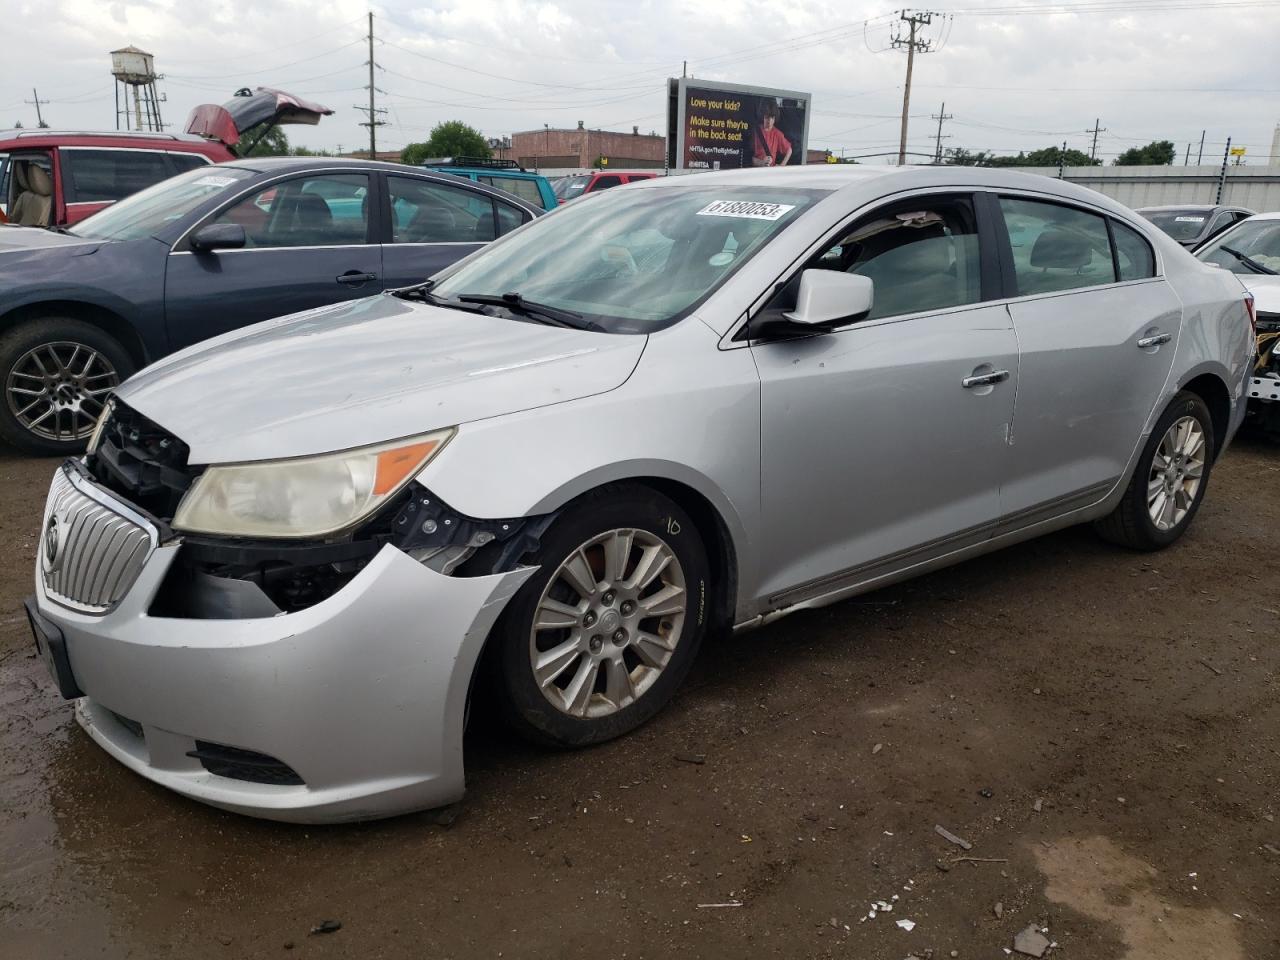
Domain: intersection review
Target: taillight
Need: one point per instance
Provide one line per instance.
(1252, 311)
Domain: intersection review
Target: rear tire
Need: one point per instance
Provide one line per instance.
(56, 373)
(598, 640)
(1169, 480)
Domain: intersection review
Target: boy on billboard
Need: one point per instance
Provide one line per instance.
(771, 147)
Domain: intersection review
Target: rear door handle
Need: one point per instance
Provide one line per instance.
(1155, 340)
(985, 379)
(355, 276)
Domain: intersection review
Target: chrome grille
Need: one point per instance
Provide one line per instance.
(90, 554)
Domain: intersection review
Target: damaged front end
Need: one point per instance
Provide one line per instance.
(1264, 382)
(223, 577)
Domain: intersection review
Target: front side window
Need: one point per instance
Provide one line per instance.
(1056, 247)
(148, 212)
(633, 261)
(325, 210)
(566, 188)
(605, 182)
(921, 255)
(423, 211)
(97, 176)
(1251, 247)
(1133, 254)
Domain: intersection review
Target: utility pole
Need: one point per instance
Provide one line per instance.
(1187, 158)
(938, 138)
(38, 103)
(1097, 129)
(1200, 155)
(1222, 177)
(372, 111)
(914, 19)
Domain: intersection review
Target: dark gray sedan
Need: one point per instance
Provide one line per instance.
(204, 253)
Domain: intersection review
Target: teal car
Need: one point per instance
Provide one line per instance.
(501, 174)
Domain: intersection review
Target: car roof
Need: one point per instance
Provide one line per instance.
(486, 171)
(1205, 207)
(12, 139)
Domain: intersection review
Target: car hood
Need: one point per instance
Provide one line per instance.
(364, 372)
(1265, 290)
(16, 240)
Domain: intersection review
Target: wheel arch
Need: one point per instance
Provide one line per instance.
(109, 321)
(1212, 389)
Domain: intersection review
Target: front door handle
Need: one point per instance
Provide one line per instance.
(356, 277)
(985, 379)
(1154, 340)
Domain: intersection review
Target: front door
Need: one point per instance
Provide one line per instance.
(1097, 336)
(884, 443)
(309, 244)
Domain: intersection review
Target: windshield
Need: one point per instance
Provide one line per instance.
(634, 260)
(1251, 240)
(566, 188)
(146, 213)
(1182, 225)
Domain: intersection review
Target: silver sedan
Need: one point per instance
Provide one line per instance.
(692, 405)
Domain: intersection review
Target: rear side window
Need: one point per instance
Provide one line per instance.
(97, 176)
(1056, 247)
(423, 211)
(604, 183)
(182, 162)
(508, 218)
(1133, 254)
(526, 190)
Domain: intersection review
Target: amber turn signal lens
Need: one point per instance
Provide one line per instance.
(395, 465)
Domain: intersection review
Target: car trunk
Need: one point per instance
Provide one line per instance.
(250, 115)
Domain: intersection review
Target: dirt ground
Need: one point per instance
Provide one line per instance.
(1102, 726)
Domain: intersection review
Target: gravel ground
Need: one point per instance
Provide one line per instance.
(1102, 726)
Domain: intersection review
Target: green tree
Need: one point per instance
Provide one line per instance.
(1157, 153)
(962, 157)
(452, 138)
(1052, 157)
(274, 144)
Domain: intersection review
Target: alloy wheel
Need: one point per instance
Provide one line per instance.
(607, 623)
(57, 390)
(1177, 468)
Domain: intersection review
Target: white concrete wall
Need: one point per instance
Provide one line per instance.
(1257, 188)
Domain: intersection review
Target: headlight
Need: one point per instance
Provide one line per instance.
(307, 497)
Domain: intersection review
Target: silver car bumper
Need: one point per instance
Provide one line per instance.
(363, 695)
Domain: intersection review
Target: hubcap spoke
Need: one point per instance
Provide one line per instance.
(652, 650)
(577, 573)
(578, 693)
(618, 688)
(554, 615)
(617, 553)
(668, 600)
(555, 661)
(653, 560)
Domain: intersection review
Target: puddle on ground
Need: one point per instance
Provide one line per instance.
(1096, 878)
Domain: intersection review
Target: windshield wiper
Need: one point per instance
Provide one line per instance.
(422, 292)
(1248, 261)
(543, 313)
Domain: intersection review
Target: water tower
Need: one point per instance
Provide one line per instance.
(135, 71)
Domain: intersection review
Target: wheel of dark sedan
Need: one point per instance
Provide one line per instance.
(57, 374)
(1169, 481)
(598, 640)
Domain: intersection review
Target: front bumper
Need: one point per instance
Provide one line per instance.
(363, 695)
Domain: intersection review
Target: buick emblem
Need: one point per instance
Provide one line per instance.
(52, 544)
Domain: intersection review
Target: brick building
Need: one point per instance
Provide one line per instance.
(557, 149)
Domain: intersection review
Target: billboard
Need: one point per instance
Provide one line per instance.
(725, 126)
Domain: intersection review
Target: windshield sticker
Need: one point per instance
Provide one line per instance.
(212, 181)
(1188, 219)
(746, 209)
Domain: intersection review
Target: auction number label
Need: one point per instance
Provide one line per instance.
(746, 209)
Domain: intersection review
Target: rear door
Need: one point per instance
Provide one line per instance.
(311, 242)
(1097, 330)
(430, 225)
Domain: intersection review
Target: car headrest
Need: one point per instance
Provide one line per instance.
(39, 182)
(1061, 249)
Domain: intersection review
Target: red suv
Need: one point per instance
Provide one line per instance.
(566, 188)
(50, 179)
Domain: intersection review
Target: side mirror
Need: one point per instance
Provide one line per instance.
(829, 297)
(218, 236)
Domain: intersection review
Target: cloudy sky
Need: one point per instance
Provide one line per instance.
(1016, 74)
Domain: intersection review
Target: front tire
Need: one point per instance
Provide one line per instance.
(600, 638)
(1169, 479)
(56, 373)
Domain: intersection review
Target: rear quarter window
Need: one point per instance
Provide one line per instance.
(1134, 256)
